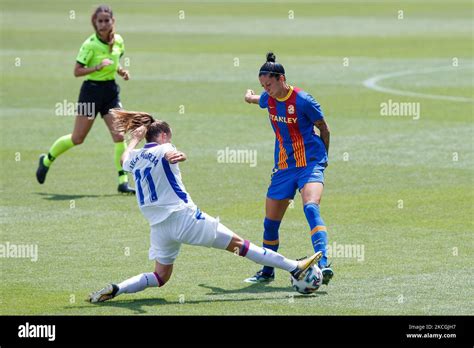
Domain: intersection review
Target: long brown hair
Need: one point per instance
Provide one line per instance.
(106, 9)
(127, 121)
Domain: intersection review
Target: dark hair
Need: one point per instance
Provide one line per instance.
(271, 67)
(106, 9)
(127, 121)
(156, 128)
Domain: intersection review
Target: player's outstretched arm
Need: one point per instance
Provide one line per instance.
(251, 97)
(175, 156)
(137, 136)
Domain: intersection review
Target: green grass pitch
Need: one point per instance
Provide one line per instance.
(401, 187)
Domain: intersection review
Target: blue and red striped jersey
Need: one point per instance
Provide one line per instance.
(292, 118)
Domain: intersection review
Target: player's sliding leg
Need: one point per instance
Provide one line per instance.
(119, 148)
(135, 284)
(311, 194)
(81, 128)
(226, 239)
(206, 231)
(275, 209)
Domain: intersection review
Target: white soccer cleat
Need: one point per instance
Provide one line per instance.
(104, 294)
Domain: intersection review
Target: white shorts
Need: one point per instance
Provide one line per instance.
(188, 226)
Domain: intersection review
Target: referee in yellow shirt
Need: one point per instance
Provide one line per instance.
(98, 60)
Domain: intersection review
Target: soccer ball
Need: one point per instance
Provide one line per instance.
(310, 283)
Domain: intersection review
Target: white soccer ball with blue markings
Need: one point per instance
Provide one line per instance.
(310, 283)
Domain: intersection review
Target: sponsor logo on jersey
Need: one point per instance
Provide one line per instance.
(283, 119)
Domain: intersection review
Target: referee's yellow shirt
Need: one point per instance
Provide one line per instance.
(94, 50)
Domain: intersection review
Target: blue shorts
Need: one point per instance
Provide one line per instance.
(285, 182)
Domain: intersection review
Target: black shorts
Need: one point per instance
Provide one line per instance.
(98, 96)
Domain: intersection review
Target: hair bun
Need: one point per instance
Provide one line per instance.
(271, 57)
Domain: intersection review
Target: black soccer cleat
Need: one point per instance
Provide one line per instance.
(327, 274)
(124, 188)
(42, 170)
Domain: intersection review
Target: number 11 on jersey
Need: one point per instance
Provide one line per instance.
(151, 185)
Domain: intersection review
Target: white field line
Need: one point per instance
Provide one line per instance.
(371, 83)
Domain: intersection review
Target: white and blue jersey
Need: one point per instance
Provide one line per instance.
(159, 188)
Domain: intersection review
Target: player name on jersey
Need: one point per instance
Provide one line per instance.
(145, 155)
(283, 119)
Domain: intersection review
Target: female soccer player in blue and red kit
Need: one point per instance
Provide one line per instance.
(301, 156)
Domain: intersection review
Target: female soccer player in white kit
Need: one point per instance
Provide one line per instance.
(173, 216)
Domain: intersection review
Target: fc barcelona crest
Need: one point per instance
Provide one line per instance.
(291, 109)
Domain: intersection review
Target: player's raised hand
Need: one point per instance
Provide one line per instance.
(139, 133)
(248, 95)
(175, 156)
(251, 97)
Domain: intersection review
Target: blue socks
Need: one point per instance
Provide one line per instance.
(270, 239)
(319, 236)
